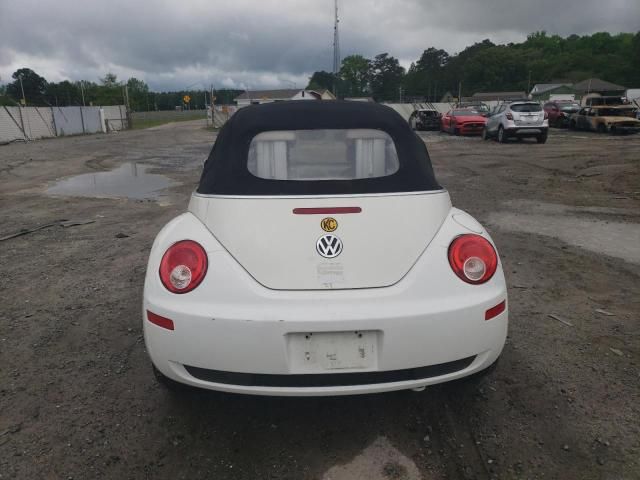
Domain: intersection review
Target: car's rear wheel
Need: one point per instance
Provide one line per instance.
(502, 135)
(456, 131)
(572, 125)
(602, 128)
(542, 138)
(485, 134)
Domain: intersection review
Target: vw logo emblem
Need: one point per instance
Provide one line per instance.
(329, 246)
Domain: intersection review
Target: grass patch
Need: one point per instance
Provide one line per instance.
(153, 119)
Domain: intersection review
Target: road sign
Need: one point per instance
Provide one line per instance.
(186, 99)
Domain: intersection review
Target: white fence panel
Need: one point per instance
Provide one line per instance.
(115, 118)
(10, 125)
(38, 122)
(406, 109)
(68, 120)
(91, 119)
(220, 114)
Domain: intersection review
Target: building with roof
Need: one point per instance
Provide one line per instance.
(596, 85)
(256, 97)
(495, 96)
(545, 91)
(588, 87)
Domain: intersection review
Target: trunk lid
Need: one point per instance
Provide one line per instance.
(278, 247)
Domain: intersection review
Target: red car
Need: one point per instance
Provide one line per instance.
(463, 122)
(560, 111)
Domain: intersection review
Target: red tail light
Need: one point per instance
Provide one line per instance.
(183, 266)
(509, 116)
(473, 258)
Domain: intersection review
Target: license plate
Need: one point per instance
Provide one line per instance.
(315, 352)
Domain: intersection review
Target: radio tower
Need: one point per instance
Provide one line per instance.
(336, 50)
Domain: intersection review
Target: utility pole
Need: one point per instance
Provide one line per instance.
(459, 92)
(336, 50)
(529, 83)
(82, 93)
(125, 95)
(24, 100)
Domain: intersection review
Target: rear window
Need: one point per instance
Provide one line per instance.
(526, 107)
(347, 154)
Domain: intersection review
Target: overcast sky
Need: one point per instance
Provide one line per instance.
(256, 44)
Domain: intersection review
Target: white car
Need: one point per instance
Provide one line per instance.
(319, 256)
(517, 120)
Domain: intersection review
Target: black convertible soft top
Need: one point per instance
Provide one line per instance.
(226, 172)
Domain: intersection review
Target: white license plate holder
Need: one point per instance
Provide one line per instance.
(317, 352)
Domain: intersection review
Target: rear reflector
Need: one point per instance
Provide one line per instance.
(326, 210)
(495, 311)
(160, 321)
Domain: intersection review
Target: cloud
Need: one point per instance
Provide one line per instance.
(267, 43)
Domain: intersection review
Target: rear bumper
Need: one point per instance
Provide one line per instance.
(526, 131)
(252, 357)
(470, 129)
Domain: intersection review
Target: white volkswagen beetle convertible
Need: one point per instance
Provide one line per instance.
(319, 256)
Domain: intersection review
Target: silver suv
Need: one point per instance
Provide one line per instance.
(517, 119)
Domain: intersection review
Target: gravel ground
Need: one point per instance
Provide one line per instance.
(78, 399)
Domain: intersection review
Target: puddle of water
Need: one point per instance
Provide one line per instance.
(379, 461)
(129, 180)
(616, 239)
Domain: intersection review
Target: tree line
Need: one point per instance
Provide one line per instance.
(485, 66)
(37, 91)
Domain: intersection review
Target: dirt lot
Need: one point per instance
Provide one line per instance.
(77, 398)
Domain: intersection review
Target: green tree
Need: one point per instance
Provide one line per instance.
(109, 92)
(321, 80)
(64, 94)
(426, 77)
(109, 80)
(34, 86)
(355, 74)
(138, 95)
(386, 78)
(225, 96)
